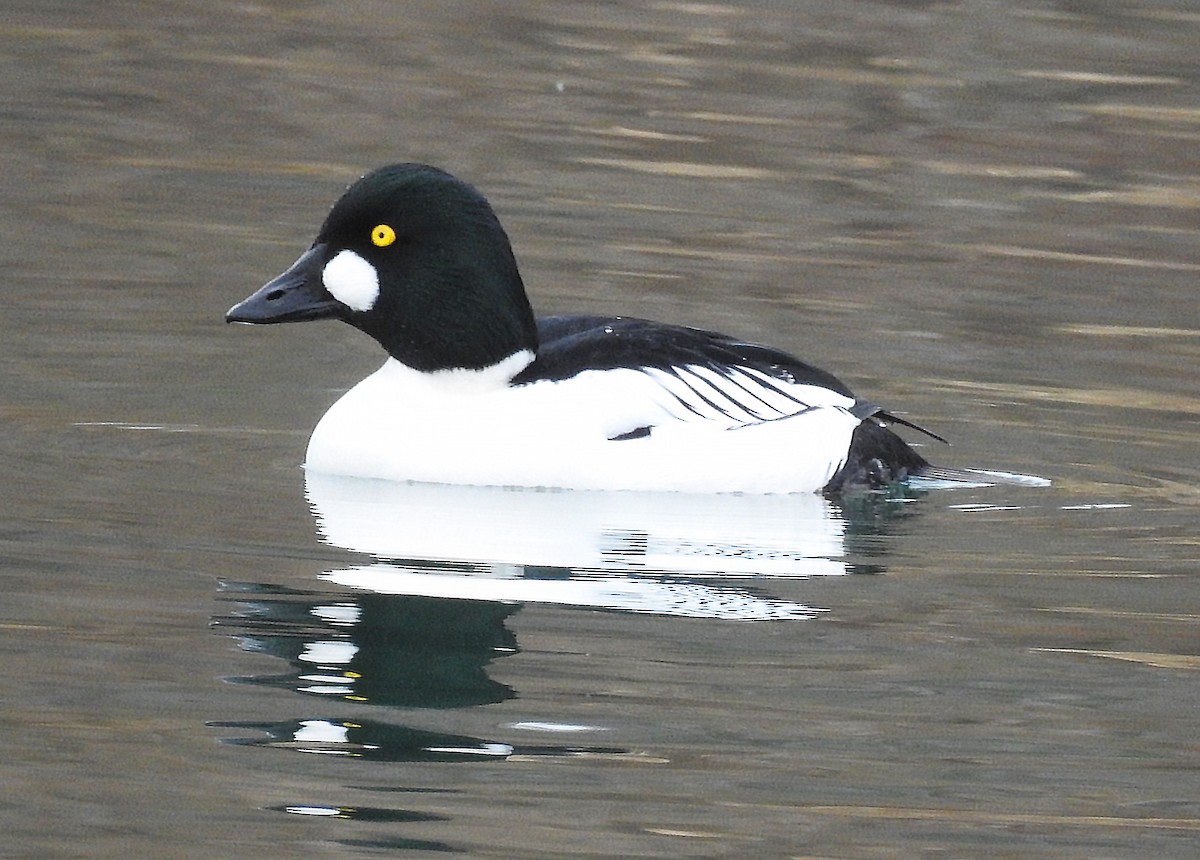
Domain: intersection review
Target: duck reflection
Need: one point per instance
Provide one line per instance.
(420, 624)
(415, 652)
(379, 741)
(666, 553)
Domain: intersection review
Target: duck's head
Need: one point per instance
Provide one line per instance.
(416, 259)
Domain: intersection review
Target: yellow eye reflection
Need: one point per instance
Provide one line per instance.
(383, 235)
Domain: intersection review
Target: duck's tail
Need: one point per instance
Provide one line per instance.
(878, 459)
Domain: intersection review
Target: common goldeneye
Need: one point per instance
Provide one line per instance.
(478, 391)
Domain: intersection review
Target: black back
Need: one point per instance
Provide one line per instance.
(571, 344)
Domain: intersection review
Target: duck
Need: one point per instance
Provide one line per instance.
(477, 390)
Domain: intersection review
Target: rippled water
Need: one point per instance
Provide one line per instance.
(982, 214)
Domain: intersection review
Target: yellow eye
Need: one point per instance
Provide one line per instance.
(383, 235)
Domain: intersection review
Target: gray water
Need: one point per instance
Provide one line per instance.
(982, 214)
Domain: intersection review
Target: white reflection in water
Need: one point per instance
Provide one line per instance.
(620, 592)
(322, 811)
(328, 652)
(726, 534)
(663, 553)
(338, 613)
(321, 731)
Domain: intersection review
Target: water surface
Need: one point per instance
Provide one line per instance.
(983, 215)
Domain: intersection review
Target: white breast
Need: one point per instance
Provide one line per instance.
(711, 433)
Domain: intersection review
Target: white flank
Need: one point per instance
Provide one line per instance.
(352, 281)
(468, 427)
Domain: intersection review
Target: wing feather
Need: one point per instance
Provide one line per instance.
(711, 376)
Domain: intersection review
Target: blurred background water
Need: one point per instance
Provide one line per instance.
(981, 214)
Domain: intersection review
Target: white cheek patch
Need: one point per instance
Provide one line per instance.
(352, 281)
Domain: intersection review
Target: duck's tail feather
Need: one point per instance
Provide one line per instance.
(866, 410)
(895, 419)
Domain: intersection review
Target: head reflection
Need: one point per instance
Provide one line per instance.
(399, 651)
